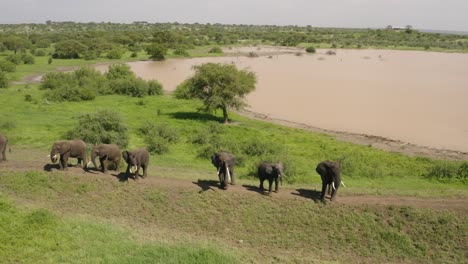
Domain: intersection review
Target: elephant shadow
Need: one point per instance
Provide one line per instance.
(309, 194)
(122, 176)
(206, 185)
(256, 189)
(49, 167)
(195, 116)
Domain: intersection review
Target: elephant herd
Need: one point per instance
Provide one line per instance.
(110, 154)
(329, 172)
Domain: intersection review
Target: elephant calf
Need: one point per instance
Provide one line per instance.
(329, 171)
(271, 172)
(69, 149)
(106, 153)
(138, 158)
(224, 163)
(3, 146)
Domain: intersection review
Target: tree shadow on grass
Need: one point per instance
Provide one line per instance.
(206, 185)
(196, 116)
(309, 194)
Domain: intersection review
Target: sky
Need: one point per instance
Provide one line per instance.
(421, 14)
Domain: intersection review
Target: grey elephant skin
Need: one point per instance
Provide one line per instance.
(329, 172)
(107, 153)
(138, 158)
(69, 149)
(273, 172)
(224, 163)
(3, 146)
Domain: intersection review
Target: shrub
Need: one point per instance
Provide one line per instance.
(3, 80)
(182, 91)
(14, 58)
(462, 172)
(135, 87)
(252, 54)
(215, 50)
(181, 52)
(155, 88)
(7, 66)
(71, 94)
(115, 53)
(55, 80)
(119, 71)
(158, 137)
(104, 126)
(310, 50)
(90, 55)
(40, 53)
(443, 171)
(156, 51)
(28, 98)
(28, 59)
(157, 145)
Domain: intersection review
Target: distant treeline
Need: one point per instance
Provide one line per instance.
(91, 40)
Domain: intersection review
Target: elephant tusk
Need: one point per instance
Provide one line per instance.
(55, 156)
(333, 185)
(217, 174)
(136, 167)
(343, 184)
(228, 174)
(87, 165)
(48, 156)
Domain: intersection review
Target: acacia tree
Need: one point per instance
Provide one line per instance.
(220, 86)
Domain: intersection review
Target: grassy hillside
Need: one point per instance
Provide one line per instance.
(170, 219)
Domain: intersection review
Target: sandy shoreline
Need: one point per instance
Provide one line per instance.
(378, 142)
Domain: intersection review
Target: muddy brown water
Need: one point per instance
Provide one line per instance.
(412, 96)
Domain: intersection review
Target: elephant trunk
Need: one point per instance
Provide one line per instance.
(228, 173)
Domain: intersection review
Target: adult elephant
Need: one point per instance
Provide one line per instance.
(106, 153)
(224, 163)
(69, 149)
(271, 172)
(329, 171)
(138, 158)
(3, 146)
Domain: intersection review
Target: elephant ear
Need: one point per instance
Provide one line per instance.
(269, 169)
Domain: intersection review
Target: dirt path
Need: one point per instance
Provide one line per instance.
(382, 143)
(454, 204)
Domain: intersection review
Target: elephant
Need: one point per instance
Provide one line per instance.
(3, 146)
(329, 171)
(224, 163)
(138, 158)
(106, 153)
(69, 149)
(271, 172)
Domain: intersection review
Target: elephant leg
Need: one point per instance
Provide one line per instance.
(334, 192)
(65, 161)
(127, 173)
(78, 164)
(324, 187)
(61, 163)
(233, 181)
(117, 165)
(276, 184)
(270, 182)
(261, 183)
(145, 167)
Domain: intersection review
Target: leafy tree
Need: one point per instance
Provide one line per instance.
(156, 51)
(215, 50)
(220, 86)
(68, 49)
(15, 43)
(3, 80)
(115, 53)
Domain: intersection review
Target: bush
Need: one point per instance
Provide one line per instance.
(158, 137)
(155, 88)
(3, 80)
(14, 58)
(157, 145)
(181, 52)
(215, 50)
(104, 126)
(156, 51)
(55, 80)
(252, 54)
(462, 172)
(135, 87)
(182, 91)
(443, 171)
(28, 98)
(119, 71)
(28, 59)
(71, 94)
(7, 66)
(310, 50)
(115, 53)
(40, 53)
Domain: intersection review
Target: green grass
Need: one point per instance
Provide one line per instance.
(39, 236)
(253, 227)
